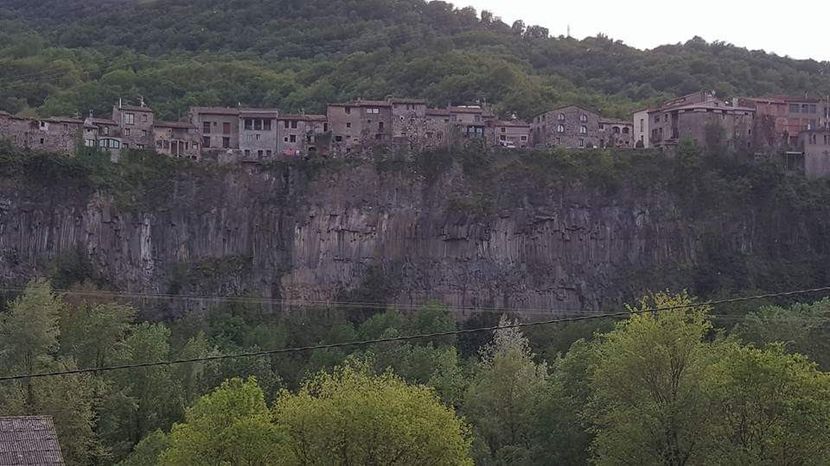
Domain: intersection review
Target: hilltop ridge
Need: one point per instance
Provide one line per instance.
(68, 57)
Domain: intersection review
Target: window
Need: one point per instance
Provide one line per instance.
(583, 117)
(642, 124)
(524, 138)
(129, 118)
(293, 124)
(502, 137)
(583, 129)
(257, 125)
(601, 126)
(503, 130)
(144, 117)
(206, 141)
(348, 125)
(625, 130)
(657, 118)
(247, 153)
(249, 124)
(560, 128)
(794, 108)
(581, 143)
(89, 142)
(139, 146)
(285, 124)
(206, 127)
(348, 110)
(226, 128)
(226, 143)
(561, 117)
(144, 132)
(160, 144)
(373, 110)
(380, 126)
(616, 130)
(325, 127)
(126, 131)
(259, 153)
(268, 153)
(125, 145)
(338, 138)
(266, 125)
(292, 138)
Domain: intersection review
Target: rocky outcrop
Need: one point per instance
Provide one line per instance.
(286, 234)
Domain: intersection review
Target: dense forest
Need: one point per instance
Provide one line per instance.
(72, 56)
(677, 382)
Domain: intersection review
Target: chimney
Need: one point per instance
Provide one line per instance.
(120, 103)
(141, 101)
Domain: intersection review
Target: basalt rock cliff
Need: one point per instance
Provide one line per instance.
(468, 233)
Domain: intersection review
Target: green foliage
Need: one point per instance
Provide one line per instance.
(647, 405)
(802, 327)
(59, 58)
(504, 396)
(351, 416)
(231, 425)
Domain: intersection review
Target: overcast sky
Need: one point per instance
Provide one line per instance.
(800, 29)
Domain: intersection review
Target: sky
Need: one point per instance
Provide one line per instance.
(800, 29)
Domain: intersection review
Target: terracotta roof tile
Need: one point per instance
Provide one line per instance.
(29, 440)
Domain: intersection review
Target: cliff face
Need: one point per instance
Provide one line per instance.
(292, 235)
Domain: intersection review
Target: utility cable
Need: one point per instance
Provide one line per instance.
(272, 352)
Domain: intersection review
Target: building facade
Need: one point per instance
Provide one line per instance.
(571, 127)
(360, 125)
(704, 119)
(815, 147)
(135, 125)
(616, 134)
(218, 128)
(302, 134)
(511, 134)
(177, 139)
(258, 133)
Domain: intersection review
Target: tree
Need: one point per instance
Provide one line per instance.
(29, 335)
(231, 425)
(93, 334)
(772, 408)
(802, 328)
(504, 394)
(352, 417)
(647, 405)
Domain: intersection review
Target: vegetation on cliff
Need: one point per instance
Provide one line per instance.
(67, 57)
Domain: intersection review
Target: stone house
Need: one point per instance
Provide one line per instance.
(100, 133)
(641, 134)
(258, 133)
(708, 123)
(437, 128)
(135, 125)
(177, 139)
(58, 134)
(571, 127)
(511, 134)
(409, 124)
(359, 125)
(815, 146)
(470, 120)
(616, 133)
(780, 120)
(218, 128)
(302, 135)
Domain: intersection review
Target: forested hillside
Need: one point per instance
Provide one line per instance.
(72, 56)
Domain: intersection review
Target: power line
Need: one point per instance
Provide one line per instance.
(272, 352)
(294, 303)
